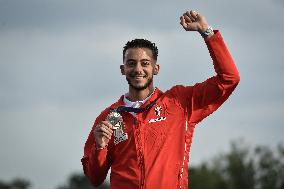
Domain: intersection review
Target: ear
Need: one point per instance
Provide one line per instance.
(156, 69)
(122, 69)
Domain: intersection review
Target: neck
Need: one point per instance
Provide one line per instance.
(137, 95)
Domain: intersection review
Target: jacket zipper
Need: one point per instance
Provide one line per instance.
(140, 153)
(185, 151)
(142, 173)
(134, 121)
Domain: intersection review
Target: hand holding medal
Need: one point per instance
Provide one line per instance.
(104, 130)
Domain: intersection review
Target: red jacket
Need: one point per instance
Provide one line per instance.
(155, 152)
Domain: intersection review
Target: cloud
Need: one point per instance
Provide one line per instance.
(144, 15)
(59, 68)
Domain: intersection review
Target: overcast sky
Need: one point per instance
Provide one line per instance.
(59, 68)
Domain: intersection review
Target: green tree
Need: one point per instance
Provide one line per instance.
(79, 181)
(204, 177)
(241, 168)
(270, 167)
(17, 183)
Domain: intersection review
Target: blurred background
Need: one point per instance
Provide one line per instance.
(59, 68)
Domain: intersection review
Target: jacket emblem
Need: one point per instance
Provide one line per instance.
(157, 119)
(158, 110)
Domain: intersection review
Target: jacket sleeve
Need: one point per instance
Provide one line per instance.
(96, 162)
(204, 98)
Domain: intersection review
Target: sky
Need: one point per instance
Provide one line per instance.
(59, 68)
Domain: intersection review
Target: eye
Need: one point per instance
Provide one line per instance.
(130, 63)
(145, 63)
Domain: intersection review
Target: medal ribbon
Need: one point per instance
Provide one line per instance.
(122, 109)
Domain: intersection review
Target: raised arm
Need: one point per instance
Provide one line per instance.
(204, 98)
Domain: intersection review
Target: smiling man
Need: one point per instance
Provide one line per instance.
(139, 58)
(145, 136)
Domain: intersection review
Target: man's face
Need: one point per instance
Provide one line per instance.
(139, 66)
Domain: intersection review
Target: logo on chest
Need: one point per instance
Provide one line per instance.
(157, 119)
(158, 110)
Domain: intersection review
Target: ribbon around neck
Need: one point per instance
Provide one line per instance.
(122, 109)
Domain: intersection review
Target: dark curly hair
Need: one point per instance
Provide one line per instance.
(141, 43)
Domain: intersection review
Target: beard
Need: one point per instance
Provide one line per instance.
(140, 88)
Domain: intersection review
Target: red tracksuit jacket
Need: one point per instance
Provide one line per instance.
(152, 150)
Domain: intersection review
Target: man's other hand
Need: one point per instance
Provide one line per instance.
(193, 21)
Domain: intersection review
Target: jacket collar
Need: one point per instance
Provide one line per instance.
(156, 94)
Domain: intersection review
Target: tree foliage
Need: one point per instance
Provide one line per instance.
(17, 183)
(79, 181)
(241, 168)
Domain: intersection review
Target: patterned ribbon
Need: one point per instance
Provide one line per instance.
(122, 109)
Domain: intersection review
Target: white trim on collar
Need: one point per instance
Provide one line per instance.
(135, 104)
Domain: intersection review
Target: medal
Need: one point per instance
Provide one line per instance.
(115, 119)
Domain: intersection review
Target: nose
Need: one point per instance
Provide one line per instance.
(138, 68)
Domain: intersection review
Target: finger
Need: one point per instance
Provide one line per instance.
(101, 128)
(101, 134)
(107, 124)
(194, 14)
(108, 136)
(182, 22)
(187, 18)
(190, 16)
(107, 127)
(105, 130)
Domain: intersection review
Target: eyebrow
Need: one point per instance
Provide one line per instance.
(145, 59)
(135, 60)
(130, 59)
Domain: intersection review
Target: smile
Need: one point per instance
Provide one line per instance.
(139, 76)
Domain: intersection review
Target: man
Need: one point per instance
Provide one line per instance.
(145, 137)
